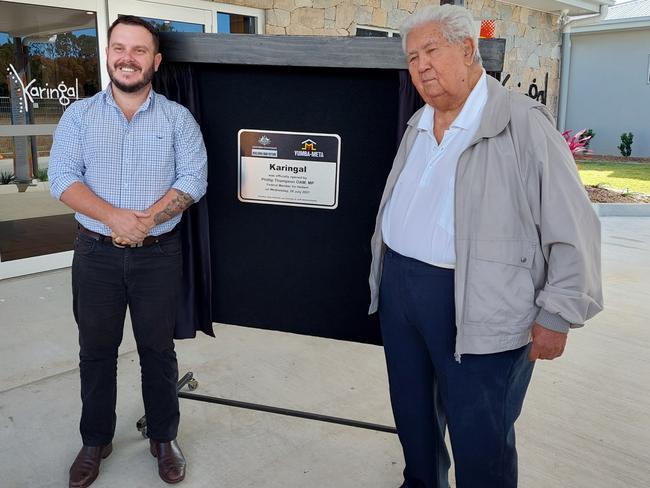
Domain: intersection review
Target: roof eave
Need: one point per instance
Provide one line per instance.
(612, 25)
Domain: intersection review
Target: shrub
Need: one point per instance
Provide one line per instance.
(578, 142)
(6, 177)
(591, 134)
(626, 144)
(41, 174)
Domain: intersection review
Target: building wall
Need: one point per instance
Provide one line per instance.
(532, 37)
(608, 88)
(533, 47)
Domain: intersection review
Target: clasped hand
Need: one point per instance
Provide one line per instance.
(129, 226)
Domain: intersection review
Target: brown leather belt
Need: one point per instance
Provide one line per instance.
(148, 241)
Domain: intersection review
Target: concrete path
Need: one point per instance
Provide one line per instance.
(586, 421)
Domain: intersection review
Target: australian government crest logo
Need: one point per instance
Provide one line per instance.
(264, 150)
(264, 141)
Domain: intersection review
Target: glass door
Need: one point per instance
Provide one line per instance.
(49, 58)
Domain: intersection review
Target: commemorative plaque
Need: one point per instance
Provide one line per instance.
(288, 168)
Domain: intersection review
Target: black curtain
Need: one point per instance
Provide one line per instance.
(409, 102)
(178, 83)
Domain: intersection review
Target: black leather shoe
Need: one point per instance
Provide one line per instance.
(85, 468)
(171, 462)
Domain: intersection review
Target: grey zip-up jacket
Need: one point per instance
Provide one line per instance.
(527, 239)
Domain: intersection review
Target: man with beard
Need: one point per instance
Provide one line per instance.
(129, 162)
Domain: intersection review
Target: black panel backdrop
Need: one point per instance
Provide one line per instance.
(291, 269)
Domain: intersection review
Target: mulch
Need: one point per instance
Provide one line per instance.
(604, 195)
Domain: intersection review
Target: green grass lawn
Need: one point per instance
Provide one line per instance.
(633, 177)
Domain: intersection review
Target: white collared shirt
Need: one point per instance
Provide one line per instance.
(419, 218)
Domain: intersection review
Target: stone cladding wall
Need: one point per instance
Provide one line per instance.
(332, 17)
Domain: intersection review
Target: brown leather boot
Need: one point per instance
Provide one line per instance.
(85, 468)
(171, 462)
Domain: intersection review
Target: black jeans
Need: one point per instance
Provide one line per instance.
(105, 279)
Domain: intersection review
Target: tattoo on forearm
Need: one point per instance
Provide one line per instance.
(178, 204)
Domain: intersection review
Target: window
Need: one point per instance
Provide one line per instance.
(236, 23)
(191, 15)
(367, 31)
(173, 26)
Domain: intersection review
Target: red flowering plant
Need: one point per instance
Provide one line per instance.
(578, 143)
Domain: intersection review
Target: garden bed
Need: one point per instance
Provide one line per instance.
(598, 194)
(612, 179)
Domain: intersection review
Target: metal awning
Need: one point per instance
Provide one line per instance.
(22, 20)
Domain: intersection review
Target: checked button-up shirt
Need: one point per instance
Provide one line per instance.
(128, 164)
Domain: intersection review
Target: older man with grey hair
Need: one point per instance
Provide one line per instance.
(486, 252)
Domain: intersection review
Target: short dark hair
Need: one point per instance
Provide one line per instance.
(134, 20)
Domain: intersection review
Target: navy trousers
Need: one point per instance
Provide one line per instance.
(478, 399)
(105, 279)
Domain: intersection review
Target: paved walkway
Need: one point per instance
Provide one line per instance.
(586, 421)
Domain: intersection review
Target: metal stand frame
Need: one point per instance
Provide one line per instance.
(192, 384)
